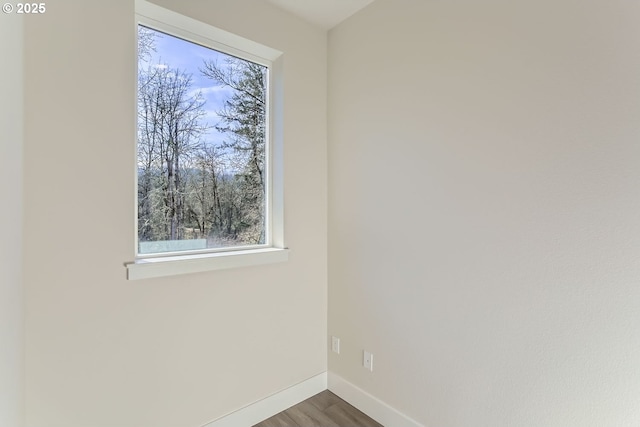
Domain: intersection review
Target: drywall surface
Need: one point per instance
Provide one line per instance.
(483, 212)
(11, 295)
(102, 351)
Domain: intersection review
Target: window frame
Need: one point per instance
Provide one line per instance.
(273, 250)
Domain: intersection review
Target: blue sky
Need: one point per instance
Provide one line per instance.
(188, 57)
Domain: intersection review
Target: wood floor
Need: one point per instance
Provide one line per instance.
(322, 410)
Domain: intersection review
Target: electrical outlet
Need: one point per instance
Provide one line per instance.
(367, 360)
(335, 344)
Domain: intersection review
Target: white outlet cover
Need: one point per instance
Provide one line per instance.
(335, 344)
(367, 360)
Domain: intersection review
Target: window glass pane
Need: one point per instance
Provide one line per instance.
(202, 181)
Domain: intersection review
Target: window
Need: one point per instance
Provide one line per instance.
(207, 194)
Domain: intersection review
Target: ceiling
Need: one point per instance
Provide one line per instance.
(323, 13)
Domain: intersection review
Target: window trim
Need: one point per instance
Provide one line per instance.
(185, 264)
(274, 250)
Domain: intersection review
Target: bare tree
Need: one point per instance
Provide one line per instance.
(204, 204)
(169, 128)
(146, 42)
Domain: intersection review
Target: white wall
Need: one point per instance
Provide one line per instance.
(180, 351)
(11, 146)
(484, 209)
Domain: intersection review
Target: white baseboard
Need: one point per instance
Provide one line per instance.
(370, 405)
(269, 406)
(278, 402)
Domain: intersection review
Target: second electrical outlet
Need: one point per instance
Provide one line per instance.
(367, 360)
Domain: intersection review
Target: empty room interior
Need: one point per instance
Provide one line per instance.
(460, 198)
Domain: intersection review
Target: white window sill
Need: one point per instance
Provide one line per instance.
(146, 268)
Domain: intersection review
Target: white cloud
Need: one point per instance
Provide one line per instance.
(204, 91)
(213, 89)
